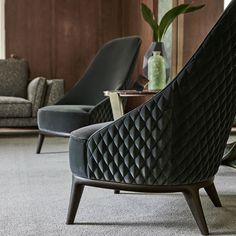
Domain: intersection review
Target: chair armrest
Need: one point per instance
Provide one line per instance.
(55, 90)
(102, 112)
(36, 93)
(85, 132)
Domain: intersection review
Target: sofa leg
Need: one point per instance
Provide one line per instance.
(212, 193)
(193, 199)
(40, 142)
(75, 196)
(116, 191)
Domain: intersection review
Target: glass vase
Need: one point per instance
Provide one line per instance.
(156, 71)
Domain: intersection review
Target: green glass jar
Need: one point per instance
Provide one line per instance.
(156, 71)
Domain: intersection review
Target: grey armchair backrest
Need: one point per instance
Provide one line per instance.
(179, 136)
(111, 69)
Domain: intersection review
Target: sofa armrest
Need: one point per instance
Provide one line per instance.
(36, 93)
(55, 90)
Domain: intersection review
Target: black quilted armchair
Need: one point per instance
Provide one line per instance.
(175, 141)
(85, 103)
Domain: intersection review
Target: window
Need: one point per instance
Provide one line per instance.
(2, 29)
(226, 3)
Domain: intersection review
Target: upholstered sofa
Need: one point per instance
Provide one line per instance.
(21, 98)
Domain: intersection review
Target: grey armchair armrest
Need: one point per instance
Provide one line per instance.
(36, 91)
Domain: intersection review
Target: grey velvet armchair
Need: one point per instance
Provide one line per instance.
(175, 141)
(85, 103)
(21, 98)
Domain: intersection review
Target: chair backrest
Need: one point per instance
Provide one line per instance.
(195, 111)
(14, 75)
(111, 69)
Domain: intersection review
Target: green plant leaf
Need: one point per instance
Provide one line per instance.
(169, 17)
(194, 8)
(150, 19)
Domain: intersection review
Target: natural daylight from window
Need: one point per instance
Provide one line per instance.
(226, 3)
(2, 29)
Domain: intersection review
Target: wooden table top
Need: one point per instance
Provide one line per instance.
(131, 93)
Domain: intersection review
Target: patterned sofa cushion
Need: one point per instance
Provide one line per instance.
(55, 91)
(14, 107)
(36, 93)
(14, 75)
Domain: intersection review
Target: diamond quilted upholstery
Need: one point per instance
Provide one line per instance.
(102, 112)
(179, 136)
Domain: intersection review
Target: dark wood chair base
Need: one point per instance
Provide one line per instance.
(191, 194)
(76, 193)
(42, 135)
(40, 142)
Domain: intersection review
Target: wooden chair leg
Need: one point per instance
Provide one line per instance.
(194, 203)
(40, 142)
(212, 193)
(75, 196)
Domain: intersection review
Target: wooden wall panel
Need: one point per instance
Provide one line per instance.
(60, 37)
(75, 41)
(110, 19)
(134, 24)
(16, 27)
(39, 37)
(28, 33)
(198, 24)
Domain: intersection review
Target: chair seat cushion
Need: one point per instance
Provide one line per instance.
(63, 119)
(77, 146)
(14, 107)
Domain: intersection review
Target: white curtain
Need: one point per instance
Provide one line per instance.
(2, 29)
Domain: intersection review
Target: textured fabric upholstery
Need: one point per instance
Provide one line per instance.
(14, 107)
(55, 91)
(15, 88)
(111, 69)
(36, 91)
(63, 118)
(18, 122)
(178, 137)
(14, 76)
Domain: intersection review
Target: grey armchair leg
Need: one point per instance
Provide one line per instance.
(40, 142)
(76, 193)
(194, 203)
(193, 199)
(212, 193)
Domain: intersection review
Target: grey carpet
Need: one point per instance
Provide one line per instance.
(34, 194)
